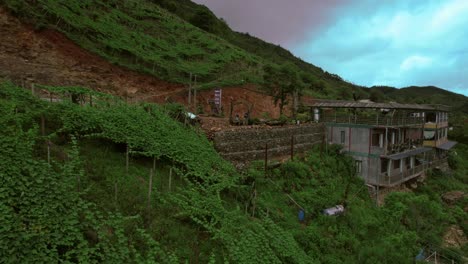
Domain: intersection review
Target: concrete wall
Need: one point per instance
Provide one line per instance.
(243, 145)
(356, 143)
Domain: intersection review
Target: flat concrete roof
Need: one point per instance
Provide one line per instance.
(372, 105)
(447, 145)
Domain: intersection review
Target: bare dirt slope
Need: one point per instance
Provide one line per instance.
(48, 57)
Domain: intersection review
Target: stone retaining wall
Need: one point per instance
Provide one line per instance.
(247, 144)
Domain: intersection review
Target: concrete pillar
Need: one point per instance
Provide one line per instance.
(316, 115)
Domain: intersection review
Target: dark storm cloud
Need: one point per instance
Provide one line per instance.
(278, 21)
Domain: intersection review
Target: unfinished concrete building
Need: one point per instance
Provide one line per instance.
(391, 143)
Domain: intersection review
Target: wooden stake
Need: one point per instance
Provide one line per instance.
(32, 89)
(48, 152)
(292, 147)
(190, 91)
(266, 158)
(170, 178)
(150, 187)
(42, 125)
(195, 95)
(78, 180)
(115, 192)
(254, 202)
(127, 160)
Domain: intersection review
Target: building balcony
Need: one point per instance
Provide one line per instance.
(373, 120)
(433, 125)
(408, 144)
(388, 180)
(435, 143)
(385, 179)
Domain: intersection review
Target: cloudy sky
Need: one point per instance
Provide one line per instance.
(367, 42)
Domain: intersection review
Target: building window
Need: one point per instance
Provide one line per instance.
(343, 137)
(375, 139)
(384, 165)
(358, 164)
(396, 164)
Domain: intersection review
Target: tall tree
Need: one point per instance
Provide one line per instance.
(281, 82)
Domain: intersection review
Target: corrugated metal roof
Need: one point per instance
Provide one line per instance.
(408, 153)
(354, 104)
(447, 145)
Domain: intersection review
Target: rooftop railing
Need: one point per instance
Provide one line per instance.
(374, 120)
(408, 144)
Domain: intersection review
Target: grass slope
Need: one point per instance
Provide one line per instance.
(211, 214)
(146, 36)
(142, 36)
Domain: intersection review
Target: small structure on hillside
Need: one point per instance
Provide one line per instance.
(391, 143)
(335, 210)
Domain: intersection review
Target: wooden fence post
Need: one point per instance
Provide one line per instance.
(42, 125)
(190, 92)
(115, 191)
(195, 96)
(127, 159)
(254, 203)
(48, 151)
(266, 158)
(78, 180)
(170, 178)
(150, 187)
(292, 147)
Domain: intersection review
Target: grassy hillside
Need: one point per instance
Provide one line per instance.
(142, 36)
(170, 39)
(68, 195)
(425, 95)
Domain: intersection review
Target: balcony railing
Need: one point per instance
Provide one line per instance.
(392, 179)
(403, 146)
(395, 178)
(375, 120)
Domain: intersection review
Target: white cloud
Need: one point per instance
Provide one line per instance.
(415, 62)
(397, 43)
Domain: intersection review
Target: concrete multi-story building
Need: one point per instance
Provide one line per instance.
(391, 143)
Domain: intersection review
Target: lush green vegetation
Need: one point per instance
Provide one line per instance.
(142, 36)
(84, 205)
(67, 193)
